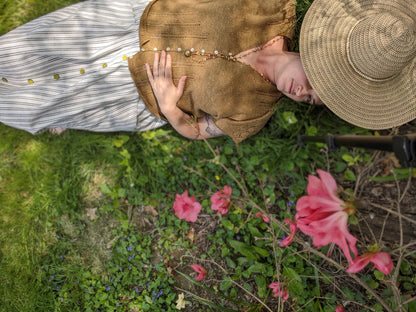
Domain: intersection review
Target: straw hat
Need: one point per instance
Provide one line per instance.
(360, 57)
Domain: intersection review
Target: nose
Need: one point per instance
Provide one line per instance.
(299, 91)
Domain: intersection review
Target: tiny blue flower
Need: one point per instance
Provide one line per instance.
(108, 288)
(129, 248)
(137, 289)
(117, 304)
(184, 158)
(62, 299)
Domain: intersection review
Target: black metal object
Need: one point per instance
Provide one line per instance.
(403, 146)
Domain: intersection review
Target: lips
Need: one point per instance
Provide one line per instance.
(290, 87)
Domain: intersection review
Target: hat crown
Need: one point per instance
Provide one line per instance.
(381, 45)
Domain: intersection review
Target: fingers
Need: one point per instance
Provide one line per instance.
(181, 84)
(156, 65)
(168, 68)
(149, 73)
(162, 64)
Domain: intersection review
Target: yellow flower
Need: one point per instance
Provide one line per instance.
(217, 177)
(180, 303)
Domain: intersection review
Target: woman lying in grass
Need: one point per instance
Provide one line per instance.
(218, 67)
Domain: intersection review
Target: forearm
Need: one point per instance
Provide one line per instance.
(183, 123)
(190, 127)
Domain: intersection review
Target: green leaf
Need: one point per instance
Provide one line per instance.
(225, 252)
(290, 118)
(369, 281)
(105, 189)
(339, 166)
(243, 249)
(349, 175)
(262, 252)
(254, 231)
(405, 268)
(230, 263)
(121, 140)
(227, 224)
(261, 285)
(353, 219)
(378, 275)
(348, 159)
(311, 130)
(257, 268)
(408, 286)
(225, 285)
(291, 274)
(247, 287)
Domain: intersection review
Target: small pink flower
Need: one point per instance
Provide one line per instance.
(381, 260)
(339, 308)
(186, 207)
(220, 200)
(265, 219)
(279, 291)
(288, 240)
(199, 269)
(324, 216)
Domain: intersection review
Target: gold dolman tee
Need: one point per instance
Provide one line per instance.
(238, 99)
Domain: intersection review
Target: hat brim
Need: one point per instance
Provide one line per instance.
(323, 50)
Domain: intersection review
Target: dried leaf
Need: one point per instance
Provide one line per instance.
(150, 209)
(91, 213)
(191, 235)
(390, 162)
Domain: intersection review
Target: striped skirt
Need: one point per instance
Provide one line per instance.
(69, 69)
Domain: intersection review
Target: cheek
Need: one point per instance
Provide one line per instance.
(293, 97)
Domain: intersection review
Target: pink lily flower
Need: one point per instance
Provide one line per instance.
(260, 215)
(293, 229)
(324, 216)
(186, 207)
(381, 260)
(199, 269)
(339, 308)
(279, 291)
(220, 200)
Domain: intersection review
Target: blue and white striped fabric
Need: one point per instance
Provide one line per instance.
(69, 69)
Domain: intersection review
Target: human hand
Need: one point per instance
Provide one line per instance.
(166, 93)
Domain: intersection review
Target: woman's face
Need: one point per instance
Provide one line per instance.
(292, 81)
